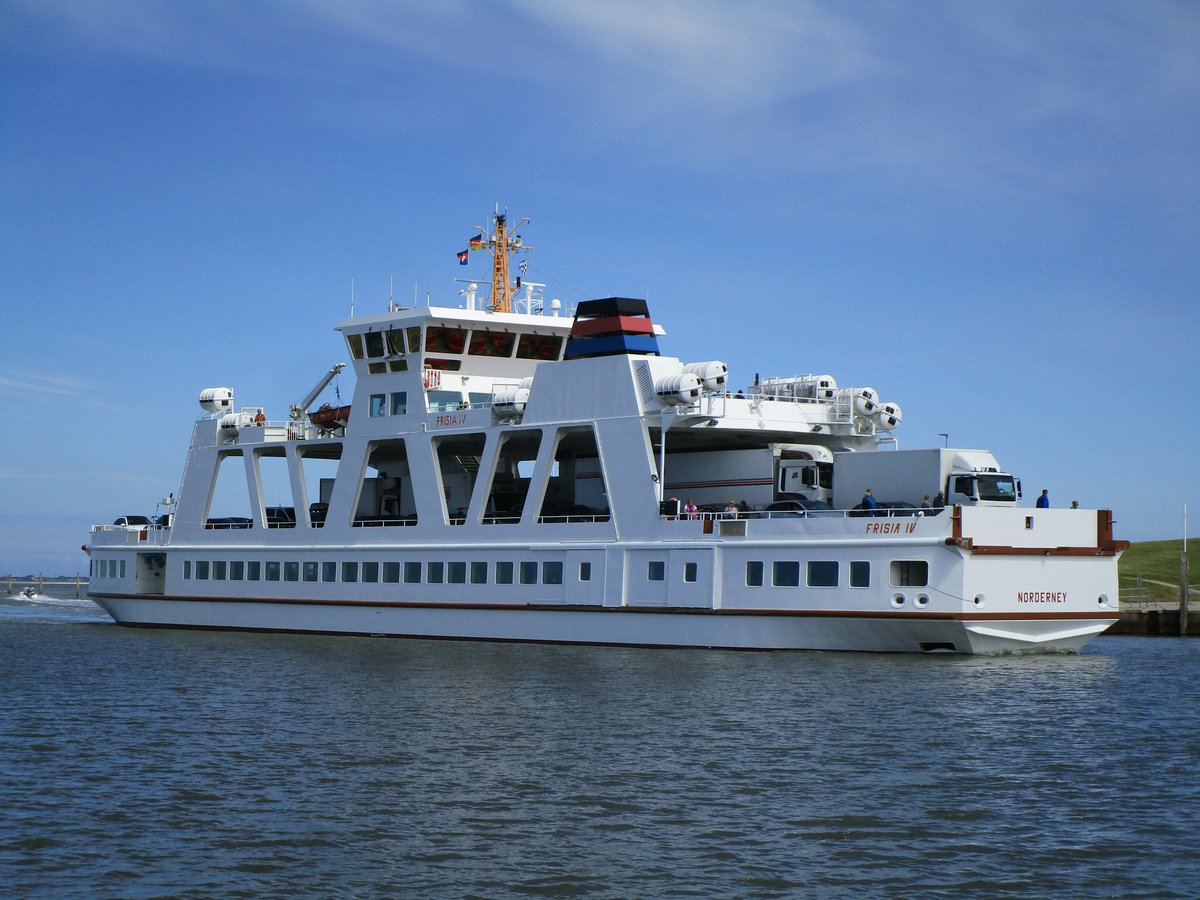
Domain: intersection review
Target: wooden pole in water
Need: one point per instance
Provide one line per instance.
(1183, 581)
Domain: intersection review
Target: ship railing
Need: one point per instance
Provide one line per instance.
(129, 534)
(902, 513)
(383, 521)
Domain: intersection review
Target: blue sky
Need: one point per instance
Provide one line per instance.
(990, 212)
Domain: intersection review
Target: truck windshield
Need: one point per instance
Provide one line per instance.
(997, 487)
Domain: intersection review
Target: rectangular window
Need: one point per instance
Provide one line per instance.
(504, 573)
(202, 570)
(354, 342)
(754, 573)
(690, 572)
(437, 572)
(479, 572)
(378, 405)
(656, 570)
(785, 573)
(272, 571)
(529, 572)
(122, 568)
(291, 571)
(370, 572)
(412, 573)
(391, 573)
(585, 571)
(399, 403)
(822, 573)
(311, 570)
(552, 573)
(374, 342)
(329, 571)
(860, 574)
(349, 571)
(253, 570)
(237, 570)
(187, 568)
(219, 569)
(910, 573)
(456, 573)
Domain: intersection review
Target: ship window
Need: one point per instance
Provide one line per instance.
(529, 573)
(374, 342)
(491, 343)
(187, 568)
(329, 571)
(479, 398)
(910, 573)
(785, 573)
(443, 365)
(479, 572)
(395, 341)
(310, 571)
(122, 568)
(585, 571)
(237, 570)
(202, 570)
(378, 407)
(456, 573)
(291, 571)
(391, 573)
(754, 573)
(398, 365)
(354, 341)
(414, 338)
(444, 401)
(399, 403)
(504, 573)
(860, 574)
(370, 572)
(412, 573)
(552, 573)
(539, 346)
(349, 571)
(437, 572)
(376, 368)
(218, 569)
(690, 571)
(656, 570)
(272, 571)
(253, 570)
(822, 573)
(440, 339)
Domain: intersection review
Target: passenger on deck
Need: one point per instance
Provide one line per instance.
(868, 503)
(731, 511)
(690, 509)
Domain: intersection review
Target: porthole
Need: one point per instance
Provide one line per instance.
(921, 601)
(1102, 600)
(897, 600)
(979, 601)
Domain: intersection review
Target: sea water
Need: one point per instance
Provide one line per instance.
(145, 763)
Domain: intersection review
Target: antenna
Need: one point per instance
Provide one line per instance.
(352, 298)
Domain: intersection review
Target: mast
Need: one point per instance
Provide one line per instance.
(501, 243)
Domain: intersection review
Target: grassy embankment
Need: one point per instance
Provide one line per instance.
(1158, 564)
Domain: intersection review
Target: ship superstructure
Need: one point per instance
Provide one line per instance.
(507, 472)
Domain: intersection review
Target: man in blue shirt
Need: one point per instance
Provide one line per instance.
(868, 502)
(1043, 502)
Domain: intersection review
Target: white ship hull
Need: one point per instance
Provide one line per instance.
(828, 630)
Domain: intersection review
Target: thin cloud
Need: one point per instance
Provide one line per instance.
(27, 384)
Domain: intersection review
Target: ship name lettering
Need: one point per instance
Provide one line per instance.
(444, 421)
(884, 528)
(1041, 596)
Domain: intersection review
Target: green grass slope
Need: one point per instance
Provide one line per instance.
(1158, 564)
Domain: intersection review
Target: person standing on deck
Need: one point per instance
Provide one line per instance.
(1043, 502)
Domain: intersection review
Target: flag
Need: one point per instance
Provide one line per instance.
(476, 243)
(462, 257)
(524, 266)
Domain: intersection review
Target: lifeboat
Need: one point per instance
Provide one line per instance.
(329, 417)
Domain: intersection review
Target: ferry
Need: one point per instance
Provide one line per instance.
(508, 470)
